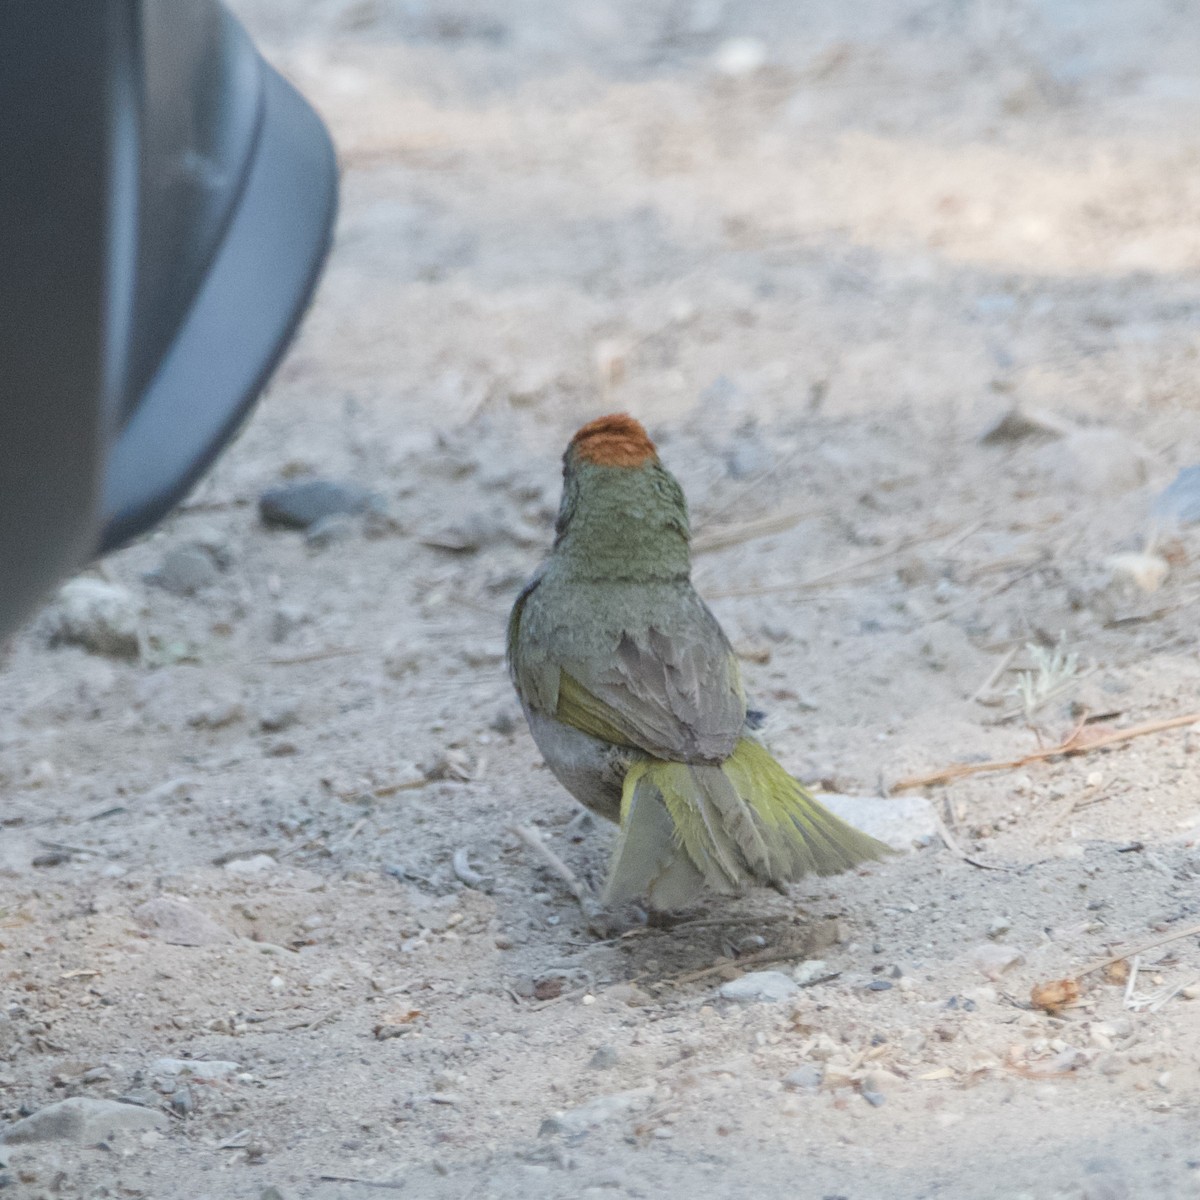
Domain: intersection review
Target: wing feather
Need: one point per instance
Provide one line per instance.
(676, 695)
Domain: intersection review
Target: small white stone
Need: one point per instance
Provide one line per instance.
(1147, 572)
(100, 617)
(993, 960)
(810, 971)
(255, 865)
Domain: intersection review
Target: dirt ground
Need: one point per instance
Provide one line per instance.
(819, 249)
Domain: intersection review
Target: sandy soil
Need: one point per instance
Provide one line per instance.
(819, 249)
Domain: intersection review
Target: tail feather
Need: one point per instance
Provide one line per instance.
(685, 826)
(800, 831)
(646, 861)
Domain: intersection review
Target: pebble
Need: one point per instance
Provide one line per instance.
(993, 960)
(901, 822)
(806, 1078)
(483, 654)
(740, 57)
(1147, 572)
(255, 865)
(763, 986)
(82, 1119)
(184, 571)
(605, 1058)
(504, 723)
(195, 1068)
(998, 927)
(217, 715)
(1020, 424)
(809, 971)
(101, 617)
(179, 924)
(597, 1111)
(286, 619)
(214, 543)
(301, 505)
(277, 716)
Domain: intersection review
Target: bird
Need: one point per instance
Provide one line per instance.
(634, 698)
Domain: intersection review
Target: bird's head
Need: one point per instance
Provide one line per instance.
(622, 513)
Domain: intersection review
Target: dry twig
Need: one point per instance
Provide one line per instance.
(1081, 741)
(1188, 931)
(531, 838)
(953, 846)
(737, 965)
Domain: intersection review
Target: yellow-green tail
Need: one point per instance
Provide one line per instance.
(686, 826)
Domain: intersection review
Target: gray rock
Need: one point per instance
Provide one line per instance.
(82, 1119)
(765, 986)
(178, 923)
(597, 1111)
(217, 714)
(194, 1068)
(301, 505)
(806, 1078)
(901, 822)
(214, 543)
(605, 1058)
(100, 617)
(184, 571)
(278, 715)
(329, 531)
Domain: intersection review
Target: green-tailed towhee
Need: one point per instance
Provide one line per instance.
(633, 695)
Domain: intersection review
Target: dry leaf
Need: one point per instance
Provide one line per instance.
(395, 1024)
(1117, 972)
(1055, 995)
